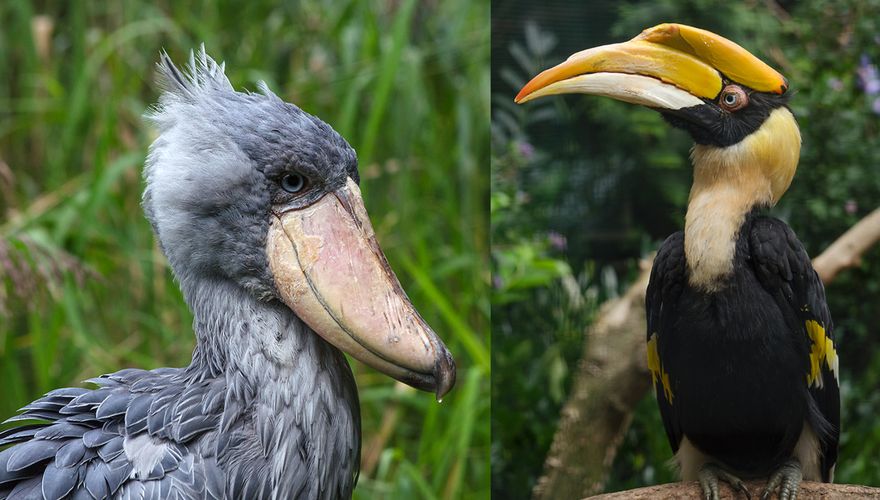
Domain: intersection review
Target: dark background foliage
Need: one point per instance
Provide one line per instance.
(84, 290)
(583, 187)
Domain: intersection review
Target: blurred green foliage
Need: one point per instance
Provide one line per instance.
(542, 298)
(611, 180)
(86, 291)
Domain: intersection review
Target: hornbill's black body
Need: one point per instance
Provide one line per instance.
(736, 359)
(740, 344)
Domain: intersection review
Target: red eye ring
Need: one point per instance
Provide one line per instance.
(733, 98)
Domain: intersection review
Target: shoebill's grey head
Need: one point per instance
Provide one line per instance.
(249, 189)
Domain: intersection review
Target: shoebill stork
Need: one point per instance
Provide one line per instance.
(740, 345)
(256, 205)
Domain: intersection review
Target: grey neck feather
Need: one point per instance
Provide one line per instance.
(293, 393)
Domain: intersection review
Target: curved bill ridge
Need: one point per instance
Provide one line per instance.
(692, 60)
(330, 271)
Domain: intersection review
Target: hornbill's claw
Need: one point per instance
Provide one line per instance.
(709, 476)
(786, 479)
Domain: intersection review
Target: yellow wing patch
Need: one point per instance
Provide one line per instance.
(821, 351)
(656, 368)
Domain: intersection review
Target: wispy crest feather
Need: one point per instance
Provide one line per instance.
(202, 73)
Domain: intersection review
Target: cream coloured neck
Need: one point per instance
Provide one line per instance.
(728, 183)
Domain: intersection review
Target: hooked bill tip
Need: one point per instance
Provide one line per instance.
(444, 374)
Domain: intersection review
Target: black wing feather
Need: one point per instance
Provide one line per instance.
(668, 277)
(784, 269)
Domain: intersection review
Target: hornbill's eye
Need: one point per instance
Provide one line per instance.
(733, 98)
(293, 183)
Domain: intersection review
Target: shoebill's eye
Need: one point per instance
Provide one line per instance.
(293, 183)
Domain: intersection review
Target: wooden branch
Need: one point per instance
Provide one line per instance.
(612, 377)
(808, 491)
(847, 250)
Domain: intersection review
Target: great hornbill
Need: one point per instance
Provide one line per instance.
(740, 345)
(257, 207)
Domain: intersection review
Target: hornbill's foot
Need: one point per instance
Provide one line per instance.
(710, 474)
(787, 479)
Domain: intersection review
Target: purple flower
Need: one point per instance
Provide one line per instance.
(497, 282)
(851, 207)
(557, 241)
(526, 150)
(868, 76)
(835, 84)
(876, 106)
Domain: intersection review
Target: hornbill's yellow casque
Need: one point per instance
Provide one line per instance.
(739, 334)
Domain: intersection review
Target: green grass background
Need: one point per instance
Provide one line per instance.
(85, 289)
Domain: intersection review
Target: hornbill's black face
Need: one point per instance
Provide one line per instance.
(699, 81)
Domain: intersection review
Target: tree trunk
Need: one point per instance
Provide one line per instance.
(612, 377)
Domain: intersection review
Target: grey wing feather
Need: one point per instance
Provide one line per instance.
(58, 482)
(79, 449)
(30, 489)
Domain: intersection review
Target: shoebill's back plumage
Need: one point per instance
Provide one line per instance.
(256, 205)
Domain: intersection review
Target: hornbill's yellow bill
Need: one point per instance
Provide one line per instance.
(669, 67)
(330, 271)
